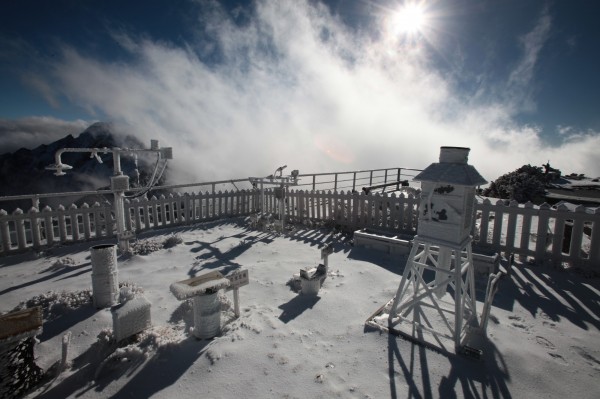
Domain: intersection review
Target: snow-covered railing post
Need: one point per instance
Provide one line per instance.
(4, 231)
(74, 222)
(528, 212)
(595, 240)
(35, 228)
(163, 210)
(20, 228)
(96, 209)
(136, 214)
(62, 224)
(87, 231)
(48, 225)
(577, 234)
(188, 209)
(147, 210)
(542, 232)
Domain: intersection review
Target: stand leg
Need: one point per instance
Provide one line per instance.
(236, 302)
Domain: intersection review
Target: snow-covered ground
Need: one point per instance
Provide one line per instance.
(544, 331)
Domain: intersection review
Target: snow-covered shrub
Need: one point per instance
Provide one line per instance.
(172, 240)
(128, 291)
(54, 303)
(147, 246)
(61, 263)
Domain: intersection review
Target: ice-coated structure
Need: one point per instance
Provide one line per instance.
(207, 310)
(442, 245)
(105, 281)
(131, 318)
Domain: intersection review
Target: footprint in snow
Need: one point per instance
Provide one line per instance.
(558, 358)
(588, 357)
(545, 342)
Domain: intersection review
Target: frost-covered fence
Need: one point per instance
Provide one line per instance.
(178, 209)
(542, 233)
(21, 230)
(40, 229)
(353, 210)
(546, 234)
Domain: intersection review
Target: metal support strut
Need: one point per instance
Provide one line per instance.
(427, 307)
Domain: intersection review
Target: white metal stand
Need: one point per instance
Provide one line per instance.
(427, 306)
(282, 182)
(119, 183)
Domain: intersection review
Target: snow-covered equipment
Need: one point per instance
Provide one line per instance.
(131, 317)
(203, 290)
(281, 184)
(105, 278)
(119, 183)
(312, 278)
(424, 310)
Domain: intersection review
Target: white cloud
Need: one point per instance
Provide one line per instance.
(520, 79)
(32, 131)
(294, 86)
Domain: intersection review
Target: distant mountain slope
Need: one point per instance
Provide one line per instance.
(23, 171)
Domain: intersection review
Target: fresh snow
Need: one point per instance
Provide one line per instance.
(544, 327)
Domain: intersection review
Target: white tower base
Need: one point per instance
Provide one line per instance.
(443, 308)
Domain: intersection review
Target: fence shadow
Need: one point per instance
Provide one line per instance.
(212, 257)
(552, 294)
(408, 364)
(65, 272)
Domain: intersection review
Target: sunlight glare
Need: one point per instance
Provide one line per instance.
(409, 19)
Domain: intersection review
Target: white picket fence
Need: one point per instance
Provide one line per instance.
(40, 229)
(542, 233)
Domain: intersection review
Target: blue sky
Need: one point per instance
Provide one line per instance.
(332, 85)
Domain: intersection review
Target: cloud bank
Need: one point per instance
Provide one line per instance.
(35, 130)
(287, 83)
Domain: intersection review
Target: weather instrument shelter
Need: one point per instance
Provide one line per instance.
(436, 295)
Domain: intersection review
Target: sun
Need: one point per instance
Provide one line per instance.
(410, 19)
